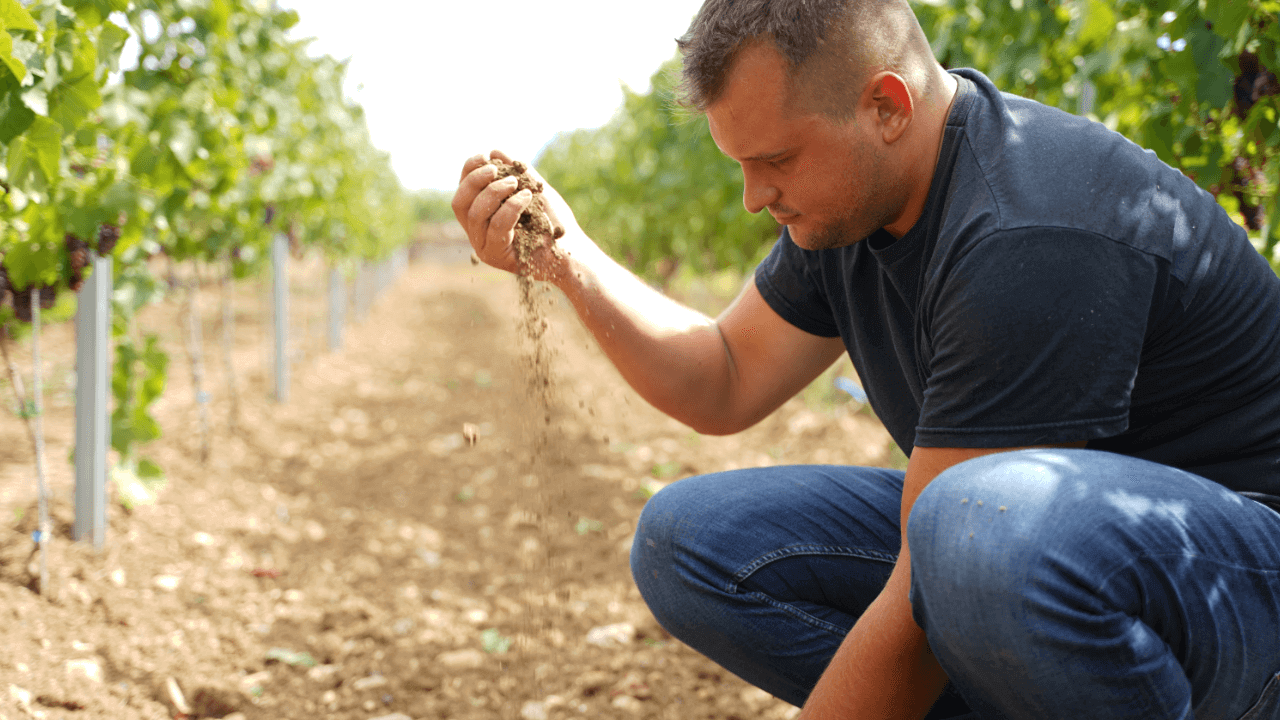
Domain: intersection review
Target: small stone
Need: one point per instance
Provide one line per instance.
(627, 703)
(534, 710)
(168, 583)
(320, 673)
(85, 667)
(470, 432)
(314, 530)
(593, 681)
(755, 697)
(329, 696)
(20, 696)
(176, 697)
(392, 716)
(203, 539)
(372, 681)
(460, 659)
(235, 716)
(117, 577)
(248, 682)
(615, 635)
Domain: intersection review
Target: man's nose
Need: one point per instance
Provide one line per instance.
(756, 192)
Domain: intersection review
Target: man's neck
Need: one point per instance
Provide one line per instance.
(932, 113)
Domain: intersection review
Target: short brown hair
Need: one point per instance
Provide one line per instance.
(835, 31)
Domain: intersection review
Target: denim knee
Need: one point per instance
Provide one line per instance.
(653, 555)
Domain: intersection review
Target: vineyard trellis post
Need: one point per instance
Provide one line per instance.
(280, 313)
(93, 424)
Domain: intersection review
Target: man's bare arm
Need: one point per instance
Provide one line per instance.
(717, 375)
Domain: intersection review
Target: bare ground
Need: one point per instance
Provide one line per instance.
(350, 554)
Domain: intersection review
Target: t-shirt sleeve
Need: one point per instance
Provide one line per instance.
(1035, 337)
(789, 280)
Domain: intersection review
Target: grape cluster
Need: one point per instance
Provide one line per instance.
(108, 235)
(22, 300)
(77, 261)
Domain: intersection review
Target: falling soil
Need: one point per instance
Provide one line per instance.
(375, 546)
(533, 230)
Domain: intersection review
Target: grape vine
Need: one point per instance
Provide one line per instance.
(223, 134)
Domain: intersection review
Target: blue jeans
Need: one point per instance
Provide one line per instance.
(1050, 583)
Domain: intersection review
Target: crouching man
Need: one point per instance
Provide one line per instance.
(1077, 345)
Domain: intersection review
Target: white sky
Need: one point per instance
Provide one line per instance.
(441, 80)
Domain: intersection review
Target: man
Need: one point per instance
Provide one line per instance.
(1079, 347)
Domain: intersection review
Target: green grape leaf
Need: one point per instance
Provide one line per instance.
(1227, 16)
(16, 66)
(110, 42)
(1214, 79)
(149, 470)
(15, 116)
(33, 261)
(44, 140)
(121, 197)
(15, 16)
(1099, 23)
(72, 102)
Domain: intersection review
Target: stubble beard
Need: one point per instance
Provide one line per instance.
(836, 234)
(868, 208)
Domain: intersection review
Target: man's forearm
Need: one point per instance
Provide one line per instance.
(882, 670)
(672, 355)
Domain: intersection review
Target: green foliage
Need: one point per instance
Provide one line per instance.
(434, 206)
(654, 190)
(1193, 81)
(224, 134)
(138, 381)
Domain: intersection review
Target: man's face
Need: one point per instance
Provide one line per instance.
(825, 180)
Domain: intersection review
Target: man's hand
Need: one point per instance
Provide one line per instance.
(488, 209)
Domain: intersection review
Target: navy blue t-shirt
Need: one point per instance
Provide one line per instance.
(1062, 284)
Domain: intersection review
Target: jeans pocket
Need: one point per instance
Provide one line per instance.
(1268, 706)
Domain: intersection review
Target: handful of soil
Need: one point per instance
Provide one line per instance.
(533, 224)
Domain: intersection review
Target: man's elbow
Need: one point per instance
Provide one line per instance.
(718, 425)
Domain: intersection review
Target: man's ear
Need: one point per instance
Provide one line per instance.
(893, 105)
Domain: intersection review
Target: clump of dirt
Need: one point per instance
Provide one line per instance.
(533, 225)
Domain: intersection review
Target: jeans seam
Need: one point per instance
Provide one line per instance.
(798, 550)
(797, 613)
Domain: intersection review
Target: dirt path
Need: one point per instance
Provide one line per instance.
(352, 555)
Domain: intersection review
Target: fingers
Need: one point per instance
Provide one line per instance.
(499, 155)
(487, 201)
(471, 164)
(473, 182)
(502, 224)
